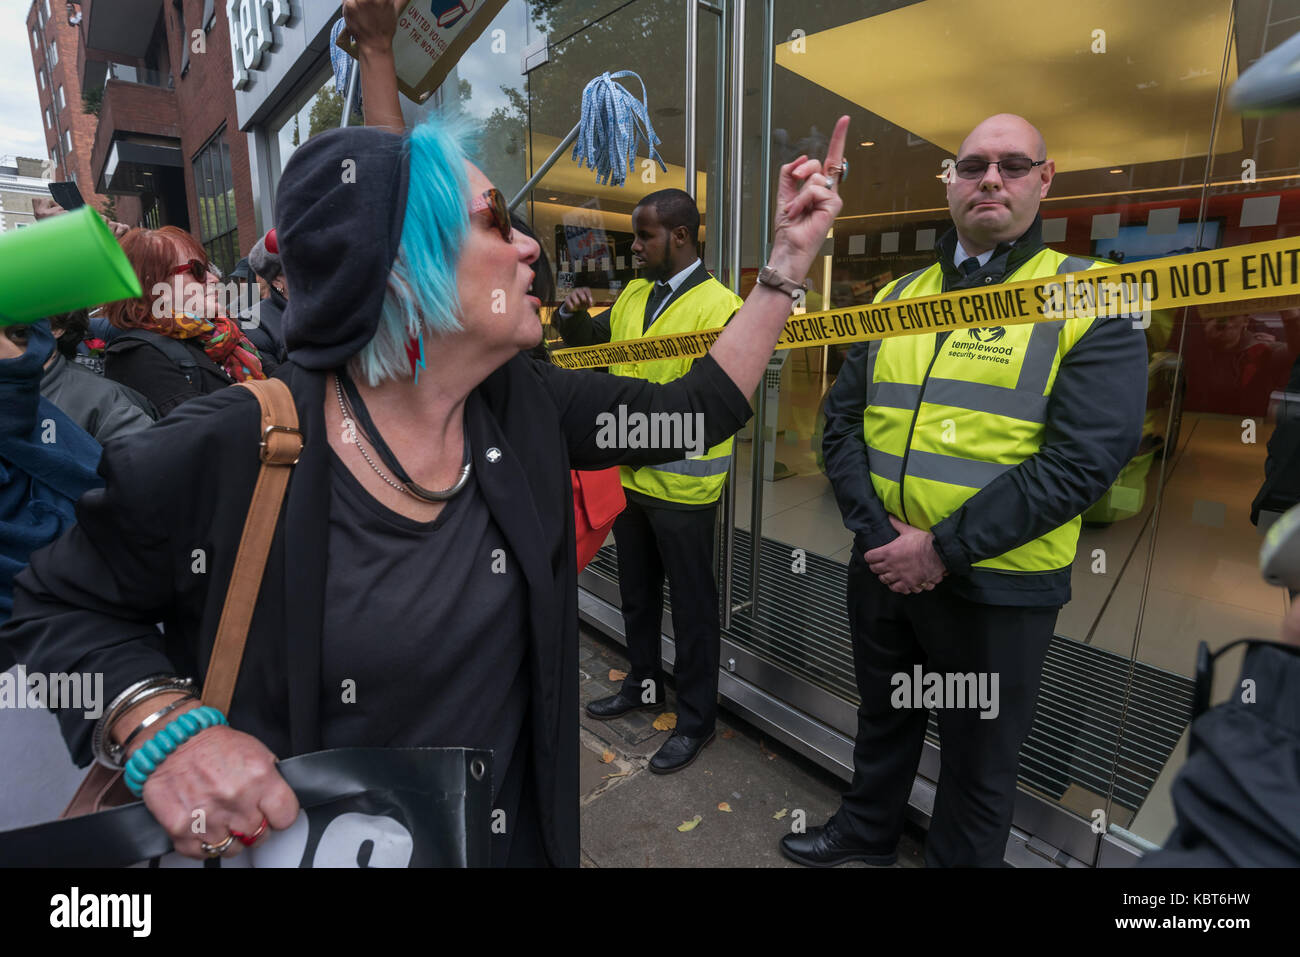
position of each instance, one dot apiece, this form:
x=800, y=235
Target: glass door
x=786, y=608
x=1226, y=476
x=677, y=50
x=1128, y=112
x=584, y=227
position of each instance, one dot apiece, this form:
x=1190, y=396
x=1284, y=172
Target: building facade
x=54, y=34
x=161, y=145
x=1150, y=162
x=21, y=181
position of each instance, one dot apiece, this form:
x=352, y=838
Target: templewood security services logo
x=987, y=334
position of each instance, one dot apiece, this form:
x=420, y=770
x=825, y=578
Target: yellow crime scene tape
x=1251, y=271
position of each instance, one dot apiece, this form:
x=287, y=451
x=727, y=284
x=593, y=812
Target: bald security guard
x=961, y=461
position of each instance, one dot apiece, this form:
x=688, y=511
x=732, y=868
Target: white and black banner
x=361, y=807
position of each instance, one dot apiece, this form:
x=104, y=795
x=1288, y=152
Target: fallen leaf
x=666, y=721
x=616, y=675
x=690, y=825
x=607, y=757
x=724, y=806
x=780, y=814
x=728, y=734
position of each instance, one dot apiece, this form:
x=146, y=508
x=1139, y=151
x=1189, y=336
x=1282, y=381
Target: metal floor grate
x=802, y=627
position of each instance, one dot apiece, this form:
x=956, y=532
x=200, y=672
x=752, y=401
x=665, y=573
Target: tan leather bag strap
x=281, y=444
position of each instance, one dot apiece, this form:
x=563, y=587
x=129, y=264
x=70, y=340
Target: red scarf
x=220, y=339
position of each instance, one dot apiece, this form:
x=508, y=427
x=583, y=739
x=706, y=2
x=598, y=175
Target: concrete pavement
x=631, y=816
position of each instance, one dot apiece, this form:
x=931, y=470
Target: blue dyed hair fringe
x=422, y=295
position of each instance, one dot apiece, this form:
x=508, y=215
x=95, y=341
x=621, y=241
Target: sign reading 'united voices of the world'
x=431, y=36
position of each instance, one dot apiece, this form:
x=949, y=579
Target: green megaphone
x=70, y=261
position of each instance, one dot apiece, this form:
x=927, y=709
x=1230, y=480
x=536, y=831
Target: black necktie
x=970, y=266
x=657, y=295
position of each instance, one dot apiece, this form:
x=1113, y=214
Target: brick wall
x=134, y=108
x=205, y=101
x=58, y=32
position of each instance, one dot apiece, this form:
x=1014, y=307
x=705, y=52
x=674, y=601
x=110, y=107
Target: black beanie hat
x=339, y=214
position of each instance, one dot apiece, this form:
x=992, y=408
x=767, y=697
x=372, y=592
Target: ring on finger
x=839, y=170
x=216, y=850
x=248, y=840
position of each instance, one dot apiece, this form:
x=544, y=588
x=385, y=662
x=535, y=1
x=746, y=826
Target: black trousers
x=652, y=543
x=979, y=757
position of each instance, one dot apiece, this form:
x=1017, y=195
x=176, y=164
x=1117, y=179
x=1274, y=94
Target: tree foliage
x=327, y=113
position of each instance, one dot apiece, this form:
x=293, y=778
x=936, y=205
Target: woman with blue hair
x=421, y=587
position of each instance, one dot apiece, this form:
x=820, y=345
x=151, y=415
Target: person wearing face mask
x=962, y=462
x=667, y=527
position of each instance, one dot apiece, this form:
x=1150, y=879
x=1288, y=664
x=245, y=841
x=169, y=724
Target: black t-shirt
x=424, y=645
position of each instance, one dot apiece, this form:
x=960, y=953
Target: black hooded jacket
x=89, y=601
x=1237, y=799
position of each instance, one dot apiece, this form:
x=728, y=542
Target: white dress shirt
x=960, y=255
x=674, y=284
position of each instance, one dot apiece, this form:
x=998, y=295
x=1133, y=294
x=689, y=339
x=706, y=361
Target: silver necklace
x=350, y=437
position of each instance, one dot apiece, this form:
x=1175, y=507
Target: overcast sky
x=20, y=108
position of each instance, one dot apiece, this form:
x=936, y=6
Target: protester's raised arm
x=806, y=207
x=372, y=24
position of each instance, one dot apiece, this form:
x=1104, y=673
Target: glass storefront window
x=586, y=228
x=486, y=85
x=1145, y=168
x=1228, y=473
x=214, y=189
x=321, y=108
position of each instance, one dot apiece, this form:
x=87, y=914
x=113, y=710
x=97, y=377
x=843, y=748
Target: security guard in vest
x=667, y=526
x=961, y=461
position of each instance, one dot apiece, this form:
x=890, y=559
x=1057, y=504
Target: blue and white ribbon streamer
x=339, y=60
x=612, y=126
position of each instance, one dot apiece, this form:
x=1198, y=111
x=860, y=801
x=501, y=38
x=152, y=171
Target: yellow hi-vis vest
x=939, y=426
x=707, y=305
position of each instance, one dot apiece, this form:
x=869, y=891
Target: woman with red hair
x=178, y=342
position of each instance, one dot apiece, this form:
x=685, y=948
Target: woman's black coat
x=158, y=543
x=157, y=376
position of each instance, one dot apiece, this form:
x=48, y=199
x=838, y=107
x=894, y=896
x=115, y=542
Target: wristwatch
x=770, y=277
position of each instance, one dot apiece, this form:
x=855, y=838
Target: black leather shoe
x=828, y=846
x=678, y=752
x=615, y=706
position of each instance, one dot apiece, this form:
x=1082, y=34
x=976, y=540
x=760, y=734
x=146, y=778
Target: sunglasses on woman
x=494, y=201
x=196, y=268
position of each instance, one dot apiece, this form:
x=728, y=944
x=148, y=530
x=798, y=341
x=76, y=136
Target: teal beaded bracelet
x=154, y=751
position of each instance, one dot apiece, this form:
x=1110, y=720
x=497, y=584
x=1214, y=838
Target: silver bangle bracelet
x=101, y=746
x=118, y=751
